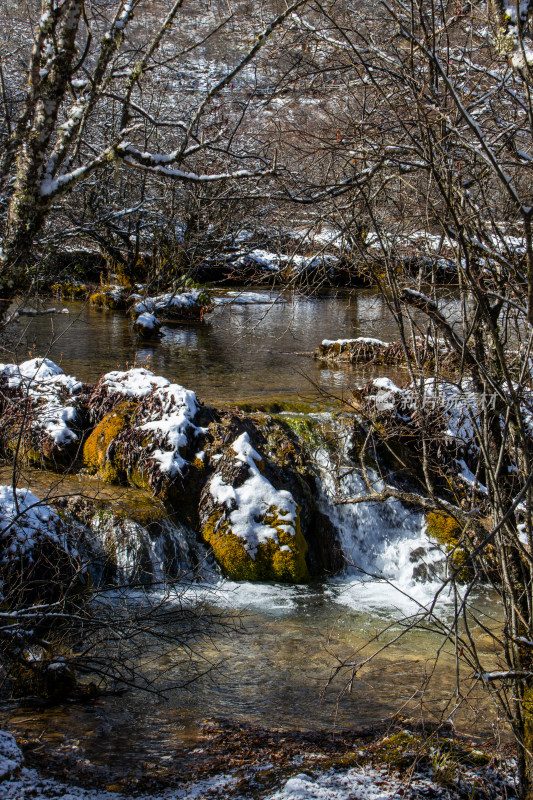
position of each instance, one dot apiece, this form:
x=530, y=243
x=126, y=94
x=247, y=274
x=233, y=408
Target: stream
x=246, y=352
x=275, y=670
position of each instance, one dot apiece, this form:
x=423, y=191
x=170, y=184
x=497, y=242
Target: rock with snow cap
x=252, y=526
x=42, y=413
x=148, y=435
x=189, y=306
x=433, y=420
x=39, y=557
x=368, y=350
x=147, y=326
x=114, y=297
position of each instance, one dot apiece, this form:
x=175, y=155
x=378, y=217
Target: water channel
x=275, y=671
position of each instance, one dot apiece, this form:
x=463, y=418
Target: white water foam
x=390, y=561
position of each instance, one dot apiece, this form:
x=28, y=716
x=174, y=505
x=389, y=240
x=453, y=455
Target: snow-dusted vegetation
x=168, y=165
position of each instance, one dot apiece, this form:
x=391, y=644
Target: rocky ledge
x=240, y=485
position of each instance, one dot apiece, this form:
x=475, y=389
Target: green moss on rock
x=400, y=750
x=280, y=558
x=98, y=455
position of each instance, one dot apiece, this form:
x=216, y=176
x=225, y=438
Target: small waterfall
x=132, y=554
x=180, y=553
x=380, y=540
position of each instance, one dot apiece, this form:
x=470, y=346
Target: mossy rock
x=445, y=530
x=148, y=332
x=36, y=449
x=307, y=429
x=280, y=559
x=98, y=454
x=111, y=297
x=254, y=527
x=71, y=290
x=400, y=750
x=148, y=511
x=286, y=465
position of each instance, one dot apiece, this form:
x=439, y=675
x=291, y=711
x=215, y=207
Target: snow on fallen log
x=375, y=351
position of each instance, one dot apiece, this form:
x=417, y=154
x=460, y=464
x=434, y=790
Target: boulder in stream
x=423, y=351
x=114, y=297
x=147, y=326
x=258, y=509
x=42, y=415
x=253, y=528
x=39, y=555
x=176, y=307
x=147, y=438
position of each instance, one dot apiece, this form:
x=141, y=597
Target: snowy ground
x=351, y=784
x=18, y=782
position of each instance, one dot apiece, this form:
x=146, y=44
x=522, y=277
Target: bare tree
x=90, y=104
x=434, y=94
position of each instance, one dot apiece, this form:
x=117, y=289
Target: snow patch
x=47, y=386
x=252, y=501
x=137, y=382
x=24, y=521
x=10, y=755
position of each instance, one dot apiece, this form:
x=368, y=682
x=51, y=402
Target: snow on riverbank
x=356, y=783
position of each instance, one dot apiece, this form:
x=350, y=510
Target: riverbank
x=393, y=759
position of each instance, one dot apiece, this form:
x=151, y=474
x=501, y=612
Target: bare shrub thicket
x=438, y=102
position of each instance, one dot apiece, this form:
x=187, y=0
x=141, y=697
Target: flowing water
x=275, y=671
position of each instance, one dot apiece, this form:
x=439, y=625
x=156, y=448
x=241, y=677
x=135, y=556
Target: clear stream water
x=275, y=671
x=242, y=354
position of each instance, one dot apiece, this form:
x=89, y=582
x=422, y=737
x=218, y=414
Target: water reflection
x=244, y=353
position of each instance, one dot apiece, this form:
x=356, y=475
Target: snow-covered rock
x=44, y=405
x=147, y=326
x=11, y=757
x=114, y=297
x=147, y=430
x=253, y=527
x=366, y=349
x=176, y=306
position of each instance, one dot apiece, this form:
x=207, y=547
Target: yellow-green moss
x=105, y=297
x=139, y=478
x=399, y=750
x=270, y=563
x=26, y=454
x=95, y=449
x=145, y=511
x=71, y=290
x=306, y=428
x=445, y=530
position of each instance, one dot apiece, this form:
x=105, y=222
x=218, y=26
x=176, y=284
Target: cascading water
x=389, y=558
